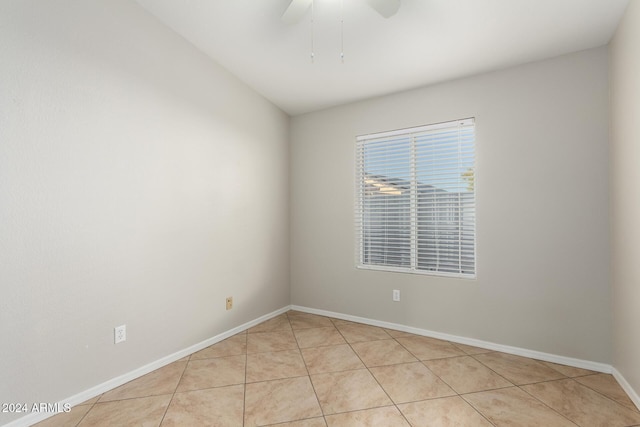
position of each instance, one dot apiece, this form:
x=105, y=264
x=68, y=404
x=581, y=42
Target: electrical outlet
x=229, y=303
x=119, y=334
x=396, y=295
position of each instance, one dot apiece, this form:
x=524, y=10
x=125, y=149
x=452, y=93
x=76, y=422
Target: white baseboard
x=627, y=388
x=578, y=363
x=83, y=396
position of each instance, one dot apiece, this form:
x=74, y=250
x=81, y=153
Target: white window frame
x=411, y=193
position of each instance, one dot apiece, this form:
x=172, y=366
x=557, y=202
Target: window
x=415, y=200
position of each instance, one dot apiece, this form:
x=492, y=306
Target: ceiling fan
x=297, y=9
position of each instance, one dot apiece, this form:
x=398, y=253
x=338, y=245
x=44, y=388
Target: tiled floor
x=305, y=370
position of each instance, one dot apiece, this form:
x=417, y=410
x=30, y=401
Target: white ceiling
x=426, y=42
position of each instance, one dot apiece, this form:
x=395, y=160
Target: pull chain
x=342, y=31
x=313, y=54
x=312, y=49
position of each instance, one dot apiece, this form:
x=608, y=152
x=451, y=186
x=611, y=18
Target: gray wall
x=625, y=199
x=542, y=216
x=140, y=183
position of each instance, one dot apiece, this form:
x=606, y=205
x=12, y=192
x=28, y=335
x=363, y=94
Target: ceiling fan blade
x=295, y=11
x=386, y=8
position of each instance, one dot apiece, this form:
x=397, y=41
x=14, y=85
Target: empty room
x=319, y=213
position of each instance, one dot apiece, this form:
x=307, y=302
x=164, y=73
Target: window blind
x=415, y=200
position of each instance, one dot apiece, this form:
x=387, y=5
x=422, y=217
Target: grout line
x=174, y=391
x=539, y=400
x=461, y=396
x=601, y=393
x=374, y=377
x=434, y=374
x=313, y=387
x=491, y=369
x=244, y=386
x=440, y=378
x=86, y=413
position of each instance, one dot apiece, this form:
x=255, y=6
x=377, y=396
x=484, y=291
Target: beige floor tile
x=144, y=411
x=348, y=391
x=582, y=405
x=409, y=382
x=398, y=334
x=425, y=348
x=263, y=342
x=466, y=375
x=469, y=349
x=156, y=383
x=92, y=400
x=387, y=416
x=305, y=321
x=443, y=412
x=232, y=346
x=278, y=323
x=65, y=419
x=607, y=385
x=272, y=402
x=310, y=422
x=519, y=370
x=289, y=369
x=382, y=352
x=568, y=371
x=317, y=337
x=215, y=407
x=355, y=332
x=274, y=366
x=512, y=407
x=216, y=372
x=342, y=322
x=331, y=359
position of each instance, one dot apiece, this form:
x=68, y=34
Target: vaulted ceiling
x=425, y=42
